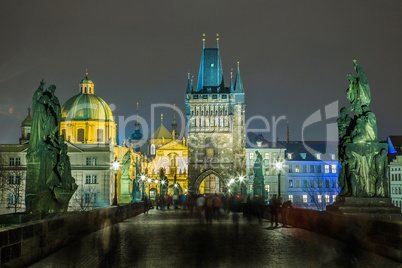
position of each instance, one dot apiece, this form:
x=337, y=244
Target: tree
x=16, y=188
x=86, y=198
x=319, y=189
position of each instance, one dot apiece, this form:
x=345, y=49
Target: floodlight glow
x=149, y=180
x=156, y=181
x=278, y=165
x=116, y=165
x=175, y=185
x=231, y=181
x=163, y=182
x=241, y=178
x=143, y=177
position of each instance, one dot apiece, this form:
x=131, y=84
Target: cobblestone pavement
x=173, y=238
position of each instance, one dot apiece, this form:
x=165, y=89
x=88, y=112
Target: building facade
x=395, y=169
x=216, y=125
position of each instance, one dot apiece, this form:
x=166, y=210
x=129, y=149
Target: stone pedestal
x=125, y=196
x=376, y=207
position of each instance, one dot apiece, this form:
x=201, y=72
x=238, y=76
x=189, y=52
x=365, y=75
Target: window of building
x=399, y=176
x=88, y=179
x=267, y=170
x=251, y=156
x=298, y=183
x=318, y=156
x=290, y=183
x=333, y=156
x=267, y=188
x=334, y=168
x=222, y=123
x=312, y=169
x=297, y=169
x=327, y=198
x=334, y=183
x=392, y=176
x=334, y=198
x=18, y=161
x=304, y=168
x=17, y=180
x=217, y=122
x=304, y=183
x=100, y=135
x=251, y=187
x=87, y=198
x=312, y=199
x=289, y=156
x=266, y=155
x=319, y=198
x=312, y=183
x=12, y=162
x=393, y=190
x=95, y=197
x=290, y=168
x=326, y=168
x=291, y=198
x=320, y=184
x=326, y=183
x=10, y=199
x=91, y=161
x=152, y=149
x=94, y=179
x=298, y=199
x=304, y=198
x=80, y=135
x=10, y=179
x=224, y=96
x=195, y=97
x=319, y=169
x=204, y=97
x=214, y=97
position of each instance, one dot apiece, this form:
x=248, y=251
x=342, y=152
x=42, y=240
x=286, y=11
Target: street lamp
x=116, y=165
x=279, y=166
x=149, y=188
x=143, y=185
x=156, y=186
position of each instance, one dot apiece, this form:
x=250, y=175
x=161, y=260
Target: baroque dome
x=86, y=107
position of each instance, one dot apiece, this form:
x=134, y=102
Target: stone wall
x=26, y=243
x=383, y=237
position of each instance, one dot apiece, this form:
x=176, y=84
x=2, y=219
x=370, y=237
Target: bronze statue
x=50, y=185
x=361, y=152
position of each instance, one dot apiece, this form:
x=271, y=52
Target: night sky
x=294, y=55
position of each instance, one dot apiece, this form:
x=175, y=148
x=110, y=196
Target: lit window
x=289, y=156
x=266, y=156
x=304, y=168
x=319, y=198
x=297, y=169
x=267, y=187
x=290, y=183
x=333, y=156
x=334, y=198
x=290, y=168
x=94, y=161
x=251, y=156
x=291, y=198
x=251, y=187
x=94, y=179
x=212, y=65
x=326, y=168
x=304, y=198
x=318, y=156
x=88, y=179
x=152, y=149
x=334, y=168
x=327, y=198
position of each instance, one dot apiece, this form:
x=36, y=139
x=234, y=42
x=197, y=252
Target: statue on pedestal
x=259, y=181
x=50, y=185
x=361, y=152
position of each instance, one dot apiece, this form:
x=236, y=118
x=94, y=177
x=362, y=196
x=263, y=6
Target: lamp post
x=156, y=186
x=116, y=165
x=143, y=185
x=278, y=166
x=241, y=179
x=149, y=188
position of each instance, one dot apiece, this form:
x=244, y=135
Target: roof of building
x=210, y=74
x=308, y=150
x=86, y=107
x=162, y=132
x=394, y=147
x=27, y=121
x=254, y=140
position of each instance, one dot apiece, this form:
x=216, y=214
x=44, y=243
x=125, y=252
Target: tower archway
x=210, y=182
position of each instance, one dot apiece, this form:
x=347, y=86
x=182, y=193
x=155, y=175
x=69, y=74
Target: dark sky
x=294, y=55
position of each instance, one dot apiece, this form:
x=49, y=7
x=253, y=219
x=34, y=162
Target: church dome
x=27, y=121
x=85, y=107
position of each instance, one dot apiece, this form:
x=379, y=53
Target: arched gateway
x=209, y=182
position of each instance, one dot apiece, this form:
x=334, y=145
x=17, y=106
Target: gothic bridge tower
x=216, y=126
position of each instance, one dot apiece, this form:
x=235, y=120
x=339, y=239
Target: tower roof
x=28, y=120
x=238, y=88
x=210, y=74
x=161, y=132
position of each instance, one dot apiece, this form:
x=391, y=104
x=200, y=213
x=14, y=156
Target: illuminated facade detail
x=216, y=124
x=86, y=118
x=395, y=169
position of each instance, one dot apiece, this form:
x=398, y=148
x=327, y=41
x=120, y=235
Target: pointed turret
x=188, y=84
x=174, y=123
x=231, y=80
x=192, y=84
x=137, y=135
x=238, y=84
x=210, y=73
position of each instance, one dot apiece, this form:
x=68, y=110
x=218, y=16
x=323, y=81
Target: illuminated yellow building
x=86, y=118
x=169, y=154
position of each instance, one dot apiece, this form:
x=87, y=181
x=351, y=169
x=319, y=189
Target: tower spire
x=191, y=87
x=231, y=80
x=203, y=40
x=287, y=132
x=217, y=40
x=161, y=118
x=86, y=73
x=174, y=123
x=238, y=84
x=137, y=111
x=188, y=90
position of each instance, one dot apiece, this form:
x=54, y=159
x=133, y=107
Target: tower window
x=212, y=65
x=205, y=96
x=152, y=149
x=195, y=97
x=100, y=135
x=214, y=97
x=224, y=96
